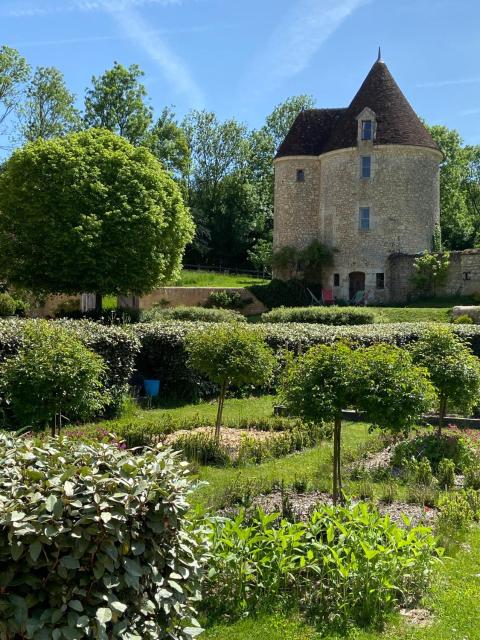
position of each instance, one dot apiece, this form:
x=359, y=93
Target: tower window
x=300, y=175
x=366, y=166
x=364, y=219
x=336, y=279
x=380, y=281
x=366, y=129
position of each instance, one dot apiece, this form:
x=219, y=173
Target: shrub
x=290, y=293
x=431, y=270
x=321, y=315
x=453, y=369
x=117, y=347
x=456, y=513
x=8, y=305
x=230, y=355
x=472, y=475
x=94, y=543
x=342, y=566
x=191, y=313
x=420, y=472
x=202, y=448
x=434, y=449
x=463, y=319
x=226, y=300
x=446, y=473
x=53, y=374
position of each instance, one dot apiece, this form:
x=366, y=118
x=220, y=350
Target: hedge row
x=321, y=315
x=157, y=350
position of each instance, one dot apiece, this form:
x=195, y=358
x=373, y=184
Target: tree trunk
x=221, y=400
x=441, y=416
x=98, y=302
x=337, y=477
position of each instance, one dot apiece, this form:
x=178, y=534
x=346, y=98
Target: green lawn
x=412, y=314
x=214, y=279
x=454, y=600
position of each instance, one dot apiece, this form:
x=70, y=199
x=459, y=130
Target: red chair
x=327, y=296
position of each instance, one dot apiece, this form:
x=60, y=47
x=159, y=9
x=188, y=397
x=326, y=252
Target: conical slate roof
x=317, y=131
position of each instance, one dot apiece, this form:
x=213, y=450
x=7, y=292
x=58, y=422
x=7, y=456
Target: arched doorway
x=356, y=282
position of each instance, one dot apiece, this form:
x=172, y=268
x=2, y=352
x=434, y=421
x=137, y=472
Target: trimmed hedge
x=321, y=315
x=95, y=542
x=191, y=313
x=117, y=346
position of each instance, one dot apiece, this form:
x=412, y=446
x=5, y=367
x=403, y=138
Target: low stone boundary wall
x=198, y=296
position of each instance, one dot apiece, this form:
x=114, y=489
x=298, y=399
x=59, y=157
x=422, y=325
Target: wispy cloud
x=107, y=38
x=447, y=83
x=171, y=66
x=296, y=39
x=469, y=112
x=28, y=8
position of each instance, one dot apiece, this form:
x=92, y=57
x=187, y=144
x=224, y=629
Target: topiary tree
x=453, y=369
x=229, y=355
x=8, y=305
x=52, y=375
x=98, y=215
x=379, y=380
x=96, y=543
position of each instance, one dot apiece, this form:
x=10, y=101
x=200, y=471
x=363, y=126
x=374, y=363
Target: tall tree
x=14, y=72
x=106, y=217
x=278, y=123
x=168, y=142
x=116, y=101
x=456, y=214
x=48, y=110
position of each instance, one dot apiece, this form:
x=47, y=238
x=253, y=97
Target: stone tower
x=363, y=180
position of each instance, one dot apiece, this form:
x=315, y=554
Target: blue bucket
x=152, y=387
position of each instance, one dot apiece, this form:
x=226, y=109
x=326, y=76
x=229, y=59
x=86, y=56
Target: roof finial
x=379, y=59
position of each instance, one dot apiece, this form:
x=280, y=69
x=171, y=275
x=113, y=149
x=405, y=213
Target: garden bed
x=231, y=439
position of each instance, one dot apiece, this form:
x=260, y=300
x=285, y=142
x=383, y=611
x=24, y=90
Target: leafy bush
x=202, y=448
x=434, y=449
x=277, y=293
x=117, y=347
x=343, y=565
x=321, y=315
x=230, y=355
x=458, y=510
x=463, y=319
x=420, y=472
x=191, y=313
x=94, y=543
x=52, y=374
x=8, y=305
x=446, y=473
x=472, y=475
x=226, y=300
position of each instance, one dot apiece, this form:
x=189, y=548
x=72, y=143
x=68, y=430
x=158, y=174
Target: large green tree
x=90, y=212
x=49, y=109
x=14, y=72
x=116, y=102
x=168, y=142
x=459, y=183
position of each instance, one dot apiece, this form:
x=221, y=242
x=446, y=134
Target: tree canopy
x=90, y=212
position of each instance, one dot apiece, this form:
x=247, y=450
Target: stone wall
x=463, y=276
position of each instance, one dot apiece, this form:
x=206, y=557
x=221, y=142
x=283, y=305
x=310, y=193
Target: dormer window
x=300, y=175
x=367, y=129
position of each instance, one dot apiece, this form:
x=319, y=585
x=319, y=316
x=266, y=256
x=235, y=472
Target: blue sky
x=242, y=57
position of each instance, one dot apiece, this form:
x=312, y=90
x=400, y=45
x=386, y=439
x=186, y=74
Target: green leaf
x=103, y=615
x=50, y=502
x=76, y=605
x=35, y=550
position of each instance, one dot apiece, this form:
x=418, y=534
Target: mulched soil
x=302, y=504
x=230, y=438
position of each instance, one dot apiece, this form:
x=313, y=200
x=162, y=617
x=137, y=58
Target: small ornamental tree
x=230, y=355
x=453, y=369
x=90, y=212
x=431, y=270
x=379, y=380
x=52, y=375
x=95, y=543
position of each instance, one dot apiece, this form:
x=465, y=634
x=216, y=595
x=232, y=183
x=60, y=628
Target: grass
x=214, y=279
x=454, y=602
x=411, y=314
x=234, y=408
